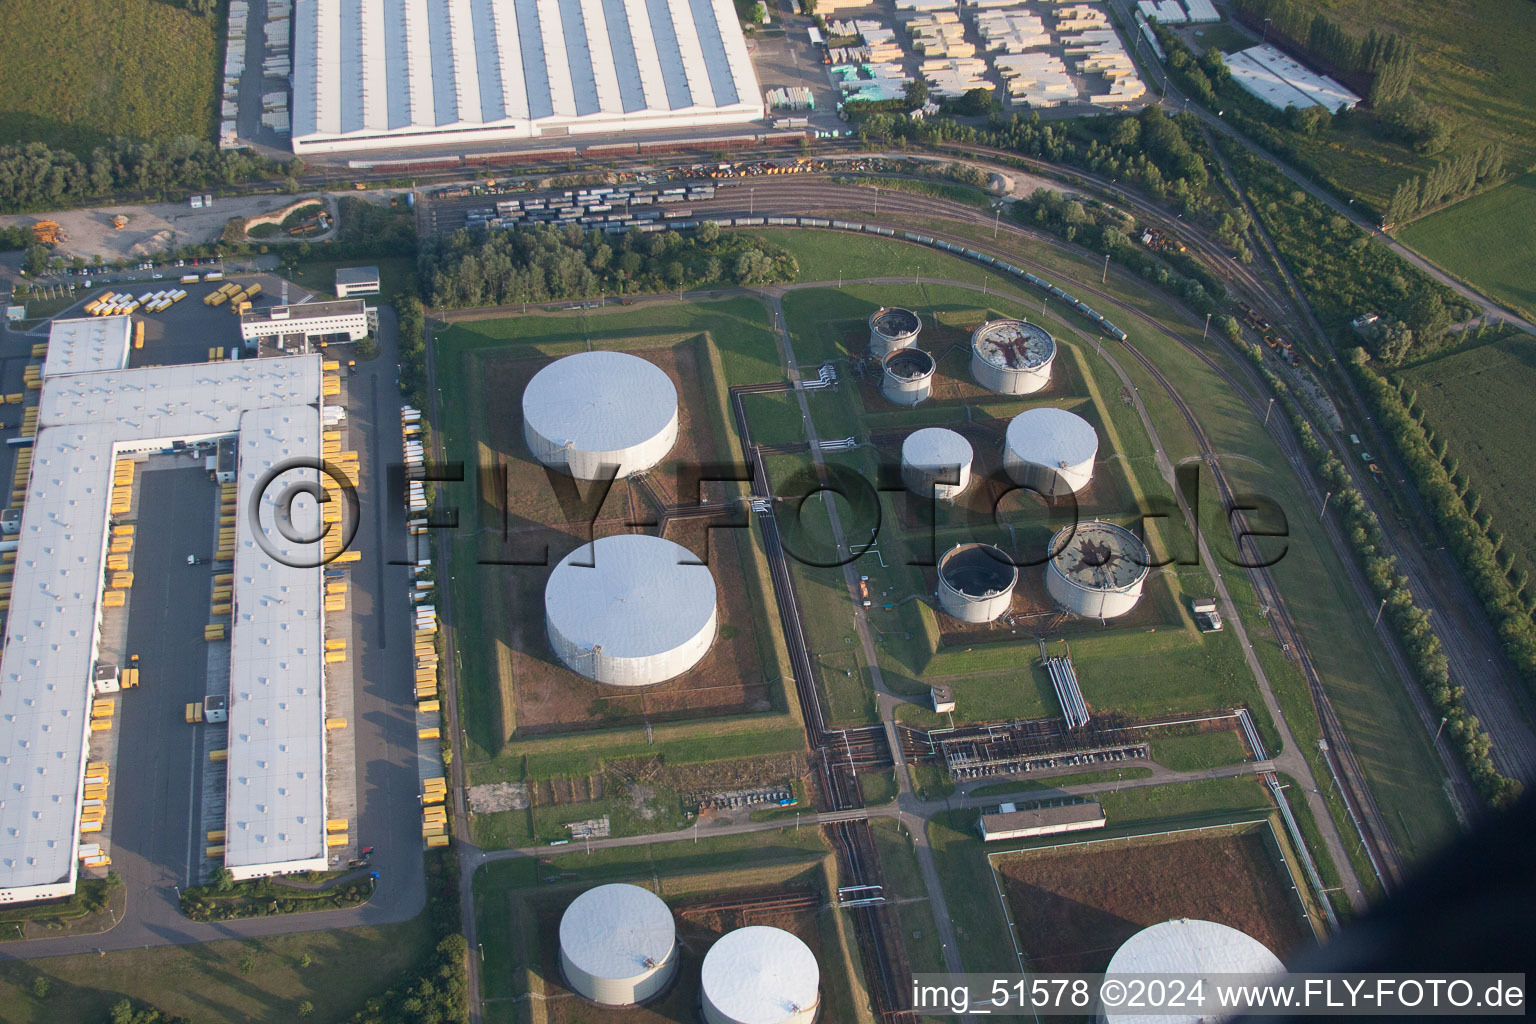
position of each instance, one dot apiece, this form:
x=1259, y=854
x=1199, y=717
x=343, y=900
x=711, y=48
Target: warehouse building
x=87, y=419
x=294, y=328
x=1009, y=822
x=372, y=74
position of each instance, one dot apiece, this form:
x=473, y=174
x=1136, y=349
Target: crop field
x=78, y=72
x=1481, y=402
x=1073, y=905
x=513, y=685
x=1489, y=241
x=519, y=904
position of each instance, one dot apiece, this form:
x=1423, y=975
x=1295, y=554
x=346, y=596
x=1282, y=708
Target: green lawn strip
x=878, y=787
x=1198, y=750
x=904, y=883
x=971, y=892
x=209, y=982
x=1056, y=782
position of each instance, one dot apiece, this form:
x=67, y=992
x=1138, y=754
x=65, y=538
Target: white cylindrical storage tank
x=1050, y=451
x=1185, y=946
x=630, y=610
x=759, y=975
x=618, y=945
x=1096, y=569
x=891, y=328
x=1012, y=357
x=590, y=412
x=908, y=376
x=976, y=582
x=936, y=462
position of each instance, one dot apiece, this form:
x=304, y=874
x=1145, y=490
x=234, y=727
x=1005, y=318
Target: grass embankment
x=78, y=72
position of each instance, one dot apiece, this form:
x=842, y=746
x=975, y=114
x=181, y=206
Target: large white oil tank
x=759, y=975
x=976, y=582
x=1012, y=357
x=630, y=610
x=618, y=945
x=907, y=377
x=1050, y=451
x=1096, y=569
x=936, y=463
x=891, y=328
x=1190, y=947
x=600, y=415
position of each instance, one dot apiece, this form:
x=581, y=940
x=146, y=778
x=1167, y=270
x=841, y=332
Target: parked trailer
x=214, y=275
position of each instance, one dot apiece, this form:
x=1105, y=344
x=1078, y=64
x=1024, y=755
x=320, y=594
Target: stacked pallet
x=434, y=816
x=93, y=806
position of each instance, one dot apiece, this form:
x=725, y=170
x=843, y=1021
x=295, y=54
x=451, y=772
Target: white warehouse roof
x=388, y=73
x=85, y=421
x=92, y=343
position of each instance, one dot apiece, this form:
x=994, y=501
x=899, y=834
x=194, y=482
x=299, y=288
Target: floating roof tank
x=891, y=328
x=976, y=582
x=1050, y=451
x=1185, y=946
x=630, y=610
x=759, y=975
x=618, y=945
x=936, y=462
x=1096, y=569
x=1012, y=357
x=590, y=412
x=908, y=376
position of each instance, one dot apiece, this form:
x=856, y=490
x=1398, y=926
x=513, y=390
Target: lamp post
x=1379, y=611
x=1325, y=506
x=1265, y=38
x=1105, y=276
x=1267, y=410
x=1207, y=329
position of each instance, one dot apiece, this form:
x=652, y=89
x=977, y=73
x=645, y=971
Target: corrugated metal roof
x=367, y=68
x=86, y=345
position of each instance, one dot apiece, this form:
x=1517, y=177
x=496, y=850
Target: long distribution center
x=381, y=74
x=92, y=410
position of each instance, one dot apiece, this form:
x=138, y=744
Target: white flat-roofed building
x=1284, y=82
x=356, y=281
x=92, y=343
x=382, y=74
x=275, y=784
x=86, y=421
x=306, y=321
x=1010, y=822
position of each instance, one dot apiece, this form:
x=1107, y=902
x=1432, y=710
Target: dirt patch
x=498, y=796
x=1073, y=907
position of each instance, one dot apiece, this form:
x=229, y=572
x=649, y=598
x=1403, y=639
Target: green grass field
x=1198, y=750
x=1482, y=401
x=78, y=72
x=205, y=982
x=1489, y=241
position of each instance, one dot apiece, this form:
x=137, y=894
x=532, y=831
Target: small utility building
x=356, y=281
x=1009, y=822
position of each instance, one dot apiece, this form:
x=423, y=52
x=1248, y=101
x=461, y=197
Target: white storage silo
x=936, y=463
x=1186, y=947
x=759, y=975
x=1096, y=569
x=907, y=377
x=618, y=945
x=976, y=582
x=891, y=328
x=590, y=412
x=1012, y=357
x=1050, y=451
x=630, y=610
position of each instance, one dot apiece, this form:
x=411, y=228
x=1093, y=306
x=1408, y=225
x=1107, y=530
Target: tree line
x=36, y=177
x=1386, y=57
x=1341, y=271
x=1409, y=622
x=1449, y=181
x=483, y=267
